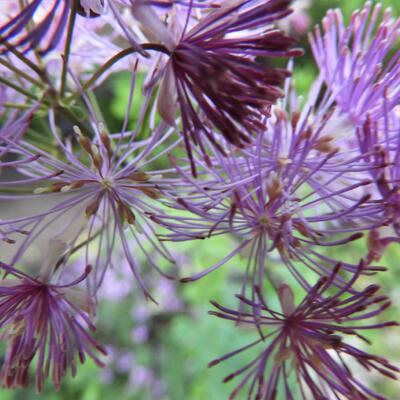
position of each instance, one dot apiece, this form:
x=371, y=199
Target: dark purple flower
x=305, y=354
x=215, y=79
x=47, y=321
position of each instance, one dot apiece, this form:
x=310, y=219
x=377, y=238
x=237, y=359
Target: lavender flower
x=379, y=143
x=305, y=353
x=99, y=194
x=355, y=61
x=91, y=42
x=46, y=321
x=48, y=30
x=291, y=194
x=360, y=68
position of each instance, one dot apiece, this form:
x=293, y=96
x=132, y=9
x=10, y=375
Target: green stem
x=45, y=142
x=73, y=118
x=16, y=105
x=95, y=104
x=22, y=74
x=68, y=41
x=15, y=190
x=26, y=61
x=19, y=89
x=76, y=248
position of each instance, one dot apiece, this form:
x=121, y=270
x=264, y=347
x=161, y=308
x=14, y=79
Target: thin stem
x=39, y=137
x=16, y=190
x=95, y=104
x=116, y=58
x=17, y=105
x=76, y=248
x=26, y=61
x=67, y=49
x=19, y=89
x=22, y=74
x=62, y=109
x=73, y=118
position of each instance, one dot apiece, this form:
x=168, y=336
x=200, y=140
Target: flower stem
x=116, y=58
x=19, y=89
x=26, y=61
x=22, y=74
x=17, y=106
x=67, y=50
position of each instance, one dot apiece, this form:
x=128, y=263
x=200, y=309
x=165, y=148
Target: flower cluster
x=215, y=141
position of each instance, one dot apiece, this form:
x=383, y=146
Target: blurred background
x=161, y=352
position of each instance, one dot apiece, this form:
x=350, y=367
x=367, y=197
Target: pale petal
x=286, y=298
x=151, y=23
x=55, y=251
x=167, y=102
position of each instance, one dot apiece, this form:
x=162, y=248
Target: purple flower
x=356, y=63
x=213, y=69
x=379, y=143
x=12, y=131
x=304, y=351
x=93, y=41
x=47, y=321
x=96, y=195
x=48, y=30
x=287, y=197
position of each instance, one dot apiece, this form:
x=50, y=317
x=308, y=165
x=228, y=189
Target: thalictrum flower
x=47, y=31
x=213, y=75
x=356, y=62
x=304, y=350
x=40, y=24
x=292, y=193
x=379, y=143
x=45, y=322
x=99, y=192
